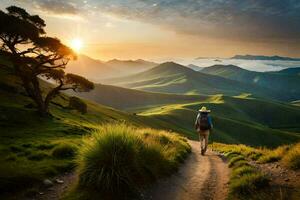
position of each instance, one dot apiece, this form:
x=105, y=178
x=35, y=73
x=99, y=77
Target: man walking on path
x=203, y=126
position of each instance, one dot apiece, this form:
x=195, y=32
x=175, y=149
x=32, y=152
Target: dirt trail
x=201, y=178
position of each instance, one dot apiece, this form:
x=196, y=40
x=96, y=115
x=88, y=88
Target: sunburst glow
x=76, y=44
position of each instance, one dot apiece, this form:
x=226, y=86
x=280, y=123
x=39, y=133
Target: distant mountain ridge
x=285, y=81
x=171, y=77
x=262, y=57
x=96, y=70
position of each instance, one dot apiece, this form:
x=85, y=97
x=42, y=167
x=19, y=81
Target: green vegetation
x=118, y=160
x=291, y=159
x=77, y=104
x=28, y=142
x=230, y=116
x=246, y=181
x=278, y=122
x=273, y=155
x=126, y=99
x=64, y=150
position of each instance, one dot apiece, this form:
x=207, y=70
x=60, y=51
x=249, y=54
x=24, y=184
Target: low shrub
x=77, y=104
x=292, y=158
x=64, y=150
x=117, y=160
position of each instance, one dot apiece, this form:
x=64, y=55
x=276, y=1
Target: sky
x=171, y=29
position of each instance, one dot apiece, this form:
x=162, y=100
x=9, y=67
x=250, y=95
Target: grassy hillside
x=285, y=82
x=29, y=144
x=236, y=120
x=127, y=99
x=174, y=78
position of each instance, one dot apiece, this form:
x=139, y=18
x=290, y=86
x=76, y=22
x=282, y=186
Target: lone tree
x=24, y=43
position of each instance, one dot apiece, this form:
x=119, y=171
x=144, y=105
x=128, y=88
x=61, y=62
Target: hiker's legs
x=201, y=140
x=206, y=136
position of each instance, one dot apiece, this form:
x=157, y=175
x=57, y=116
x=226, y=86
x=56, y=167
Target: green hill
x=286, y=84
x=27, y=142
x=174, y=78
x=237, y=118
x=126, y=99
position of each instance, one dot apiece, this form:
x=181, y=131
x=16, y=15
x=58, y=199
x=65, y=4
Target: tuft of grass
x=241, y=171
x=38, y=156
x=249, y=183
x=273, y=155
x=64, y=150
x=234, y=160
x=292, y=158
x=45, y=146
x=117, y=160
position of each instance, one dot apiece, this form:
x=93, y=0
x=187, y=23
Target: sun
x=76, y=44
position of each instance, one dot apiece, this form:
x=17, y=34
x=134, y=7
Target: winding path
x=201, y=177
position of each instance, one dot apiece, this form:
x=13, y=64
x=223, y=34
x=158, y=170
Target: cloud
x=236, y=19
x=66, y=7
x=243, y=20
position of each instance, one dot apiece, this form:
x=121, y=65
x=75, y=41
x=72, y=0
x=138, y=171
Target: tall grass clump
x=117, y=160
x=292, y=158
x=273, y=155
x=248, y=184
x=64, y=150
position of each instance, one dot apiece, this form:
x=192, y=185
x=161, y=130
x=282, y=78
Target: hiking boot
x=202, y=152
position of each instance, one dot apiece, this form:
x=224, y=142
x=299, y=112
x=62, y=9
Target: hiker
x=203, y=125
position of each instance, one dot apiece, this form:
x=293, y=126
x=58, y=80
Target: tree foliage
x=34, y=55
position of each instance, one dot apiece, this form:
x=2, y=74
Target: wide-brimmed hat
x=204, y=109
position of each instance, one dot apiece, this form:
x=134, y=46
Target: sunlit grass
x=117, y=160
x=291, y=159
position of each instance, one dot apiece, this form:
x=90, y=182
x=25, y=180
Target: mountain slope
x=233, y=116
x=126, y=99
x=130, y=66
x=90, y=68
x=237, y=120
x=174, y=78
x=280, y=82
x=97, y=70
